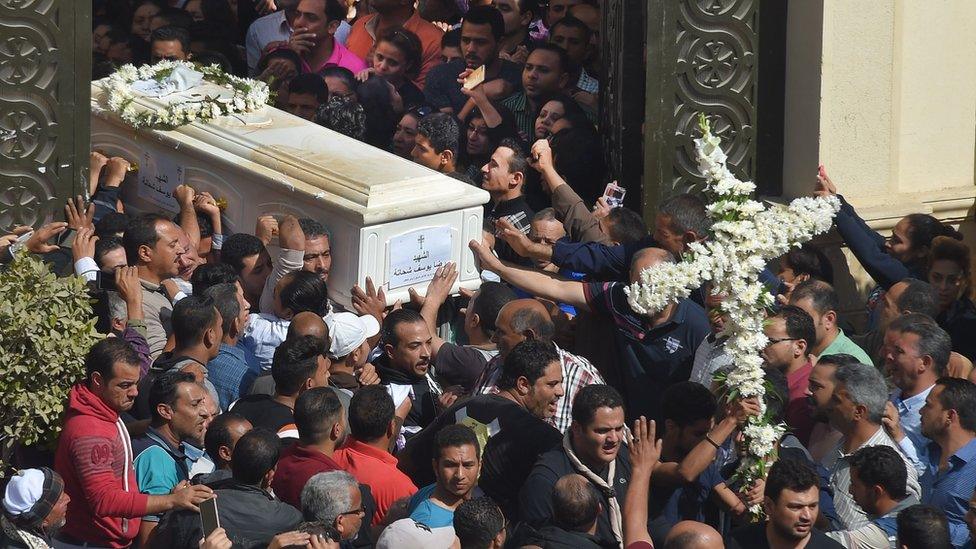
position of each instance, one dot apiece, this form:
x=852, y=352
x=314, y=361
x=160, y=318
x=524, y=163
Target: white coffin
x=376, y=205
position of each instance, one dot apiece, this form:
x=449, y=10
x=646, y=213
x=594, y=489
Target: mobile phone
x=105, y=282
x=208, y=516
x=67, y=238
x=614, y=195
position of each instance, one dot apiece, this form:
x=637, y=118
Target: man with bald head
x=576, y=507
x=655, y=350
x=524, y=319
x=691, y=534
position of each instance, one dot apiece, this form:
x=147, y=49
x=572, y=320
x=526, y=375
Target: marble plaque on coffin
x=390, y=219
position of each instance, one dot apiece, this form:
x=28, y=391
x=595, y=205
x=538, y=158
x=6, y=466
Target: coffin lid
x=373, y=185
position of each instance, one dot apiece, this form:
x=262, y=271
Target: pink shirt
x=341, y=57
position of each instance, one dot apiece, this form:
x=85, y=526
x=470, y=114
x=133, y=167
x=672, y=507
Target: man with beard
x=318, y=251
x=457, y=464
x=34, y=507
x=178, y=415
x=792, y=505
x=820, y=388
x=481, y=34
x=511, y=425
x=403, y=368
x=94, y=455
x=592, y=447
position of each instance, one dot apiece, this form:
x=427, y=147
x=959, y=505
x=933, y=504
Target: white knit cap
x=23, y=491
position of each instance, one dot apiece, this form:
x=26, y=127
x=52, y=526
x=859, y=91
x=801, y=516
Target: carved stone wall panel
x=702, y=57
x=44, y=72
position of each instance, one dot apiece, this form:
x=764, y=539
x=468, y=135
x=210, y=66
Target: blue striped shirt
x=951, y=489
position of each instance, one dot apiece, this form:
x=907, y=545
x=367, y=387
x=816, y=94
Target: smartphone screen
x=208, y=516
x=67, y=238
x=105, y=282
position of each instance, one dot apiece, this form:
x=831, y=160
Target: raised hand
x=77, y=215
x=302, y=41
x=645, y=448
x=266, y=229
x=38, y=242
x=486, y=259
x=515, y=238
x=370, y=301
x=115, y=172
x=84, y=244
x=824, y=186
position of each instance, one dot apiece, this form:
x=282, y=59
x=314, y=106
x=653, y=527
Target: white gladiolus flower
x=745, y=234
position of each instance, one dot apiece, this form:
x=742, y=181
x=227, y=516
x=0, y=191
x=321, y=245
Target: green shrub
x=46, y=328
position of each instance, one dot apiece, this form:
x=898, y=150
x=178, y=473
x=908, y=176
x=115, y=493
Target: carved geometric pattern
x=43, y=111
x=715, y=71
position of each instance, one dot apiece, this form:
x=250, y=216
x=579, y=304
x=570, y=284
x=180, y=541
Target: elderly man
x=34, y=506
x=334, y=500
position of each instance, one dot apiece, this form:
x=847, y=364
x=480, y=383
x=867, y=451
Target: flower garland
x=744, y=235
x=248, y=95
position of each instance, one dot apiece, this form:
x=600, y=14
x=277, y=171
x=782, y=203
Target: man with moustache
x=404, y=368
x=94, y=455
x=592, y=447
x=457, y=464
x=34, y=507
x=511, y=425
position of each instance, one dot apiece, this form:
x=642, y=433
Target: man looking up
x=791, y=333
x=504, y=178
x=544, y=74
x=313, y=37
x=481, y=32
x=94, y=455
x=457, y=464
x=593, y=447
x=792, y=504
x=152, y=244
x=524, y=319
x=392, y=13
x=820, y=301
x=949, y=421
x=878, y=485
x=178, y=415
x=512, y=422
x=855, y=410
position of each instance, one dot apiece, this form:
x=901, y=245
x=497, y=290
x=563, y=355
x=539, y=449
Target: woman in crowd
x=143, y=12
x=950, y=274
x=276, y=68
x=396, y=57
x=559, y=112
x=406, y=131
x=905, y=254
x=382, y=105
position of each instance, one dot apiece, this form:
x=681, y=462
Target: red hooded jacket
x=95, y=459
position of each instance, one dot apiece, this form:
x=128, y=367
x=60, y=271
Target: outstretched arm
x=537, y=283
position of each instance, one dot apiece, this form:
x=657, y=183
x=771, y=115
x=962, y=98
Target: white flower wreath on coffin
x=173, y=80
x=743, y=237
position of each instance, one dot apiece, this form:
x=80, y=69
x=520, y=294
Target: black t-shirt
x=511, y=437
x=262, y=411
x=535, y=498
x=754, y=537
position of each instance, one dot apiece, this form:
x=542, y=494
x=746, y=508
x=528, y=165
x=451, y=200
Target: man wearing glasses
x=791, y=336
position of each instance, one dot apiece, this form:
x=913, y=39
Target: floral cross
x=744, y=235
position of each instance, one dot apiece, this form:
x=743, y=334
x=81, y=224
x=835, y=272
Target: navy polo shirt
x=651, y=358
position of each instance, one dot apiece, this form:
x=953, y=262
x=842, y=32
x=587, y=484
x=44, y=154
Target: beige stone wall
x=883, y=93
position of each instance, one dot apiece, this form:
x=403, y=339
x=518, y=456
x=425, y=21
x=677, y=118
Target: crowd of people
x=540, y=410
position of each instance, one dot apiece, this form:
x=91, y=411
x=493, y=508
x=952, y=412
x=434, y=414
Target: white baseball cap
x=349, y=331
x=410, y=534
